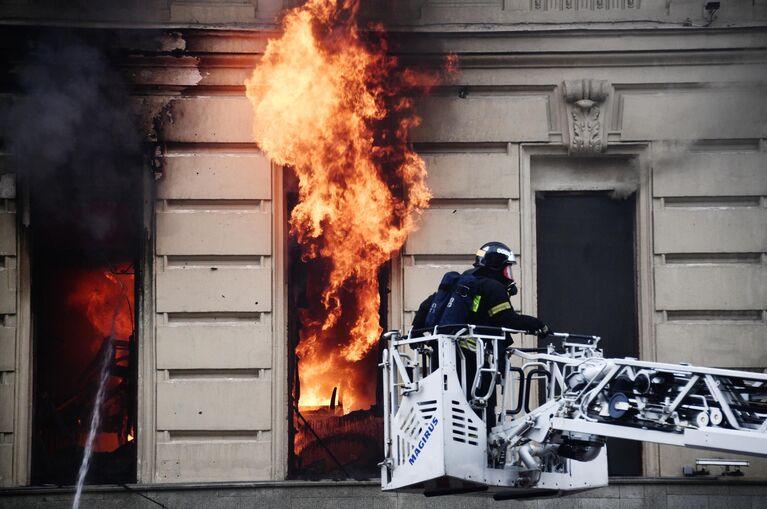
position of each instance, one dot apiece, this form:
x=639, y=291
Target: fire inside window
x=84, y=286
x=335, y=404
x=343, y=128
x=77, y=152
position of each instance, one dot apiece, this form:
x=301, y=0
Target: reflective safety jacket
x=490, y=306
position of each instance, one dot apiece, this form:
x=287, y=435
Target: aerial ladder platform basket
x=464, y=413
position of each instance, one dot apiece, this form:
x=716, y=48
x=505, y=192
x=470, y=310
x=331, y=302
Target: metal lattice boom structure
x=444, y=433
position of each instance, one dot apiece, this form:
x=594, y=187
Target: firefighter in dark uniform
x=491, y=306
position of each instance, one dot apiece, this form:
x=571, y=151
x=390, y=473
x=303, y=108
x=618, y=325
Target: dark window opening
x=336, y=427
x=85, y=274
x=72, y=139
x=587, y=282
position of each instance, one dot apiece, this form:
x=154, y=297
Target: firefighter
x=495, y=285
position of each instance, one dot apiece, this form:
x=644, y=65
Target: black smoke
x=74, y=142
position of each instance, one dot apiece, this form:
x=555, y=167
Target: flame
x=330, y=102
x=83, y=303
x=96, y=293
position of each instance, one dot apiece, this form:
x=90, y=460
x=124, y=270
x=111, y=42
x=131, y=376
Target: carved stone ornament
x=585, y=102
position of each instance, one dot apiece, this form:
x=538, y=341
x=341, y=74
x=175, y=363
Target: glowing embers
x=80, y=310
x=331, y=445
x=337, y=423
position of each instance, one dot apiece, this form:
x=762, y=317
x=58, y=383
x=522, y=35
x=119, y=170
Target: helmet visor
x=507, y=273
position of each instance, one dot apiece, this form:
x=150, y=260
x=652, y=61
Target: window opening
x=77, y=151
x=336, y=419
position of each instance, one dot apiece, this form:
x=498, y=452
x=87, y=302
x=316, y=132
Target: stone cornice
x=554, y=29
x=615, y=58
x=512, y=60
x=563, y=47
x=629, y=39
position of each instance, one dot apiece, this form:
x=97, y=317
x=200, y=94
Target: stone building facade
x=660, y=100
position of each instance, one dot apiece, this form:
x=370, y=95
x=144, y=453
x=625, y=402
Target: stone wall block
x=224, y=289
x=235, y=460
x=480, y=118
x=463, y=230
x=195, y=176
x=225, y=403
x=694, y=115
x=214, y=346
x=214, y=232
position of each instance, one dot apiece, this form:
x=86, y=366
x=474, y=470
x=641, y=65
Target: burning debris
x=111, y=393
x=85, y=334
x=333, y=105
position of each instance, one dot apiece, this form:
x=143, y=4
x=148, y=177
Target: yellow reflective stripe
x=469, y=343
x=475, y=303
x=500, y=307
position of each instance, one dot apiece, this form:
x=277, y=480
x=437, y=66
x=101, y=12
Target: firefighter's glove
x=542, y=332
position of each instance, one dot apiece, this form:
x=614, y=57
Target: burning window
x=83, y=265
x=84, y=330
x=336, y=416
x=77, y=152
x=335, y=106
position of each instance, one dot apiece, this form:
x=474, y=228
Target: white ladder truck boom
x=436, y=411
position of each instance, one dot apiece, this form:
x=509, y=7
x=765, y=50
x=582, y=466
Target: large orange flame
x=100, y=293
x=333, y=105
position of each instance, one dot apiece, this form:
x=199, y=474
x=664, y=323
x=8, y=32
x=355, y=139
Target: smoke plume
x=72, y=137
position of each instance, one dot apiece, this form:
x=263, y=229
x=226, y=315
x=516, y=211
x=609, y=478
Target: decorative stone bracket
x=586, y=103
